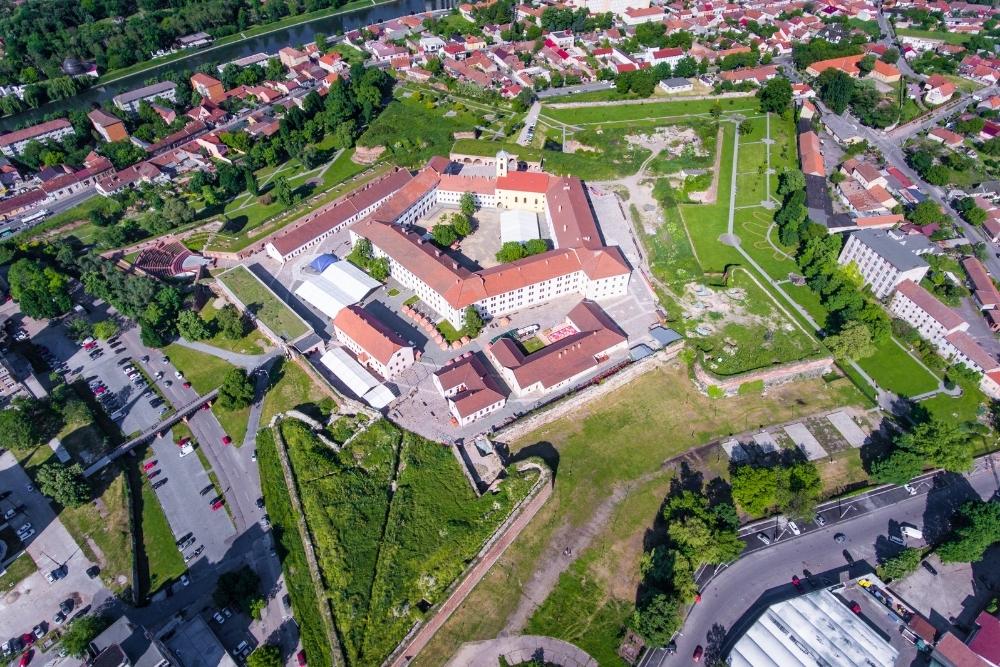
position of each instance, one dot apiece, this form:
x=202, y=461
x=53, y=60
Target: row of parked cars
x=25, y=642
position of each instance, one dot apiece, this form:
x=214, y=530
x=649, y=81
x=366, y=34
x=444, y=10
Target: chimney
x=454, y=265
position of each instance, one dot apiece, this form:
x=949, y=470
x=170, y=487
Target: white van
x=186, y=449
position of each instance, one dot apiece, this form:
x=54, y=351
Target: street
x=739, y=592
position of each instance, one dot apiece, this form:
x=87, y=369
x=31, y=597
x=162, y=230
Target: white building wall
x=876, y=271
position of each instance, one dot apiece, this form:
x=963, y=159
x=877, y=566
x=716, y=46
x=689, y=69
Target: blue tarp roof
x=640, y=351
x=322, y=261
x=664, y=336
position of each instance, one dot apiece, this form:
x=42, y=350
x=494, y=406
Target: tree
x=926, y=212
x=535, y=247
x=467, y=204
x=42, y=292
x=283, y=192
x=853, y=342
x=250, y=181
x=27, y=423
x=836, y=88
x=105, y=329
x=266, y=655
x=891, y=55
x=754, y=489
x=65, y=484
x=978, y=528
x=231, y=323
x=80, y=632
x=775, y=95
x=462, y=224
x=942, y=444
x=473, y=322
x=237, y=390
x=900, y=565
x=444, y=235
x=237, y=588
x=511, y=251
x=192, y=327
x=790, y=180
x=867, y=64
x=657, y=618
x=745, y=128
x=379, y=269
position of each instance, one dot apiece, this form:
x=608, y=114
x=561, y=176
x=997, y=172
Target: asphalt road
x=737, y=595
x=572, y=90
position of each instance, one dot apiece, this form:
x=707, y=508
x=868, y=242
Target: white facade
x=454, y=198
x=929, y=327
x=15, y=148
x=878, y=272
x=131, y=100
x=400, y=360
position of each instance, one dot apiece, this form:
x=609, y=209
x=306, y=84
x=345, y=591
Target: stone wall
x=770, y=376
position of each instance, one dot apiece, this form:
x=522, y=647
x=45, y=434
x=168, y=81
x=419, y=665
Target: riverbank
x=236, y=38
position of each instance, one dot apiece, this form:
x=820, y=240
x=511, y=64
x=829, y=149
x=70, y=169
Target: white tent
x=321, y=297
x=340, y=285
x=519, y=226
x=362, y=384
x=351, y=280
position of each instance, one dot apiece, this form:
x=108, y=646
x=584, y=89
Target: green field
x=253, y=343
x=680, y=110
x=165, y=562
x=203, y=371
x=284, y=526
x=383, y=553
x=609, y=443
x=263, y=304
x=22, y=567
x=248, y=220
x=946, y=37
x=291, y=388
x=894, y=369
x=412, y=133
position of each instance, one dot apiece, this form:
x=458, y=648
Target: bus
x=37, y=216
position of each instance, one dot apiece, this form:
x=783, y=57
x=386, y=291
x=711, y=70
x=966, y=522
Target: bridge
x=151, y=433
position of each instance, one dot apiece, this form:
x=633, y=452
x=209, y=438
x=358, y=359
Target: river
x=267, y=43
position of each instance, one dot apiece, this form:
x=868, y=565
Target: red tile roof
x=565, y=358
x=944, y=315
x=33, y=131
x=968, y=346
x=477, y=388
x=359, y=199
x=375, y=338
x=524, y=181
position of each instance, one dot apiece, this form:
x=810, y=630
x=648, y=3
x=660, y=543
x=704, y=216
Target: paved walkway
x=427, y=631
x=260, y=389
x=246, y=361
x=521, y=649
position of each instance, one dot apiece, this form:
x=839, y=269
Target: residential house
x=111, y=128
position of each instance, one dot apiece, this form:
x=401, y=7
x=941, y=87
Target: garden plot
x=828, y=437
x=805, y=441
x=847, y=428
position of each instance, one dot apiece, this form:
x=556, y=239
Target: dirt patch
x=711, y=195
x=674, y=140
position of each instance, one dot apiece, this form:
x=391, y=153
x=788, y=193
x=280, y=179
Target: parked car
x=763, y=538
x=226, y=440
x=217, y=505
x=160, y=483
x=207, y=489
x=300, y=657
x=794, y=528
x=26, y=658
x=698, y=652
x=148, y=465
x=185, y=580
x=39, y=630
x=66, y=606
x=59, y=618
x=218, y=618
x=27, y=535
x=840, y=538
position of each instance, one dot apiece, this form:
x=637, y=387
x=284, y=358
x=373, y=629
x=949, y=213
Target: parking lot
x=185, y=506
x=34, y=600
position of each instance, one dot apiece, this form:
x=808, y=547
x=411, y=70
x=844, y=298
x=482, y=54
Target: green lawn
x=412, y=133
x=263, y=303
x=753, y=226
x=291, y=388
x=284, y=526
x=946, y=37
x=680, y=109
x=809, y=300
x=203, y=371
x=382, y=553
x=23, y=566
x=165, y=562
x=967, y=407
x=253, y=343
x=626, y=435
x=893, y=369
x=250, y=220
x=671, y=258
